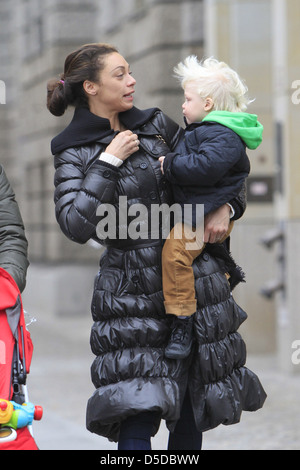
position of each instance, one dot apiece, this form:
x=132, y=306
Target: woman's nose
x=132, y=80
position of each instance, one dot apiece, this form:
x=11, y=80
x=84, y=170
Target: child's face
x=194, y=107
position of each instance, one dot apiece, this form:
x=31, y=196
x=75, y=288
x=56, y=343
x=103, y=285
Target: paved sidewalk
x=60, y=382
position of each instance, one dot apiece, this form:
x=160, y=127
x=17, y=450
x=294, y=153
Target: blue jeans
x=136, y=431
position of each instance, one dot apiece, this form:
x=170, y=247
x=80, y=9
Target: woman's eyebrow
x=120, y=67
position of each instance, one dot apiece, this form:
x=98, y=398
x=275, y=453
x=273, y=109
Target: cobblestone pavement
x=60, y=381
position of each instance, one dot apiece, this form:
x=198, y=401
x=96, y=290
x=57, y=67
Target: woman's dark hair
x=83, y=64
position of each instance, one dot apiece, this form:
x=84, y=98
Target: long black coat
x=130, y=329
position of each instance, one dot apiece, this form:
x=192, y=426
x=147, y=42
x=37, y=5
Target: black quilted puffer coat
x=130, y=329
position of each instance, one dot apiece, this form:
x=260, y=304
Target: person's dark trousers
x=185, y=435
x=136, y=431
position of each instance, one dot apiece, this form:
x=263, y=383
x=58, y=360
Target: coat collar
x=86, y=127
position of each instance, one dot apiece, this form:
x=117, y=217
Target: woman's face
x=116, y=86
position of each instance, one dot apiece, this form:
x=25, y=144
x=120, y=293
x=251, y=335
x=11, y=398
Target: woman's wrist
x=109, y=158
x=232, y=211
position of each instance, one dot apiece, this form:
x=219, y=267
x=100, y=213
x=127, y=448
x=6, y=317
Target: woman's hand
x=216, y=224
x=123, y=145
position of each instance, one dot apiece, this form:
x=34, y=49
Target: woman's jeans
x=135, y=433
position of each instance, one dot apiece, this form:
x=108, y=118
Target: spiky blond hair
x=216, y=80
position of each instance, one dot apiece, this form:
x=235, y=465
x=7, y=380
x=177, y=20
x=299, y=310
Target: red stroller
x=16, y=348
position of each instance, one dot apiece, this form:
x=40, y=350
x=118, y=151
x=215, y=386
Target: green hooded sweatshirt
x=245, y=125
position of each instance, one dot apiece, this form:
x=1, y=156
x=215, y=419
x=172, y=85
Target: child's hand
x=161, y=159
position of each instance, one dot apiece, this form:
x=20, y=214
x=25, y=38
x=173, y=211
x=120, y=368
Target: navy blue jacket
x=209, y=166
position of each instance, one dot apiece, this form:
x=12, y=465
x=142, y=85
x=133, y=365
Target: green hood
x=245, y=125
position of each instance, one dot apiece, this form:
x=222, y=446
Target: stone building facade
x=261, y=40
x=153, y=35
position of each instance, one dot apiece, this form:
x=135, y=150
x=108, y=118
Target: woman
x=110, y=151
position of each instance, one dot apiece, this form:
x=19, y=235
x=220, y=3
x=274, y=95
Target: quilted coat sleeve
x=13, y=242
x=79, y=192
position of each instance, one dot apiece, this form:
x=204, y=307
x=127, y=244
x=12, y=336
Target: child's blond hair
x=216, y=80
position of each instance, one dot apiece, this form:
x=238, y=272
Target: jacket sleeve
x=213, y=159
x=239, y=203
x=79, y=192
x=13, y=242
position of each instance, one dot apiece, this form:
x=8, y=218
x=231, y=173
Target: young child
x=210, y=167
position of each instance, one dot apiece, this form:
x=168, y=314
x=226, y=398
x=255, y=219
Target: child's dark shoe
x=181, y=339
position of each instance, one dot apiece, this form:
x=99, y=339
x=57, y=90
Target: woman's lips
x=129, y=96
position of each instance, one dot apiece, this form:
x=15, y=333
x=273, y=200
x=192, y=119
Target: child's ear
x=209, y=104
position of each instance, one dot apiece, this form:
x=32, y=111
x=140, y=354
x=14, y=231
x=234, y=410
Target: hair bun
x=55, y=97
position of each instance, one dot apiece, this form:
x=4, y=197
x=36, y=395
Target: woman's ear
x=90, y=87
x=209, y=104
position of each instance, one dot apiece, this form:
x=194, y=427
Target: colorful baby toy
x=14, y=416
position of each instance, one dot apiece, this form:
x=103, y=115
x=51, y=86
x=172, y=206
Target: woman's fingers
x=216, y=224
x=123, y=145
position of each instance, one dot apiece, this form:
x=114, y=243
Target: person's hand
x=216, y=224
x=123, y=145
x=161, y=159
